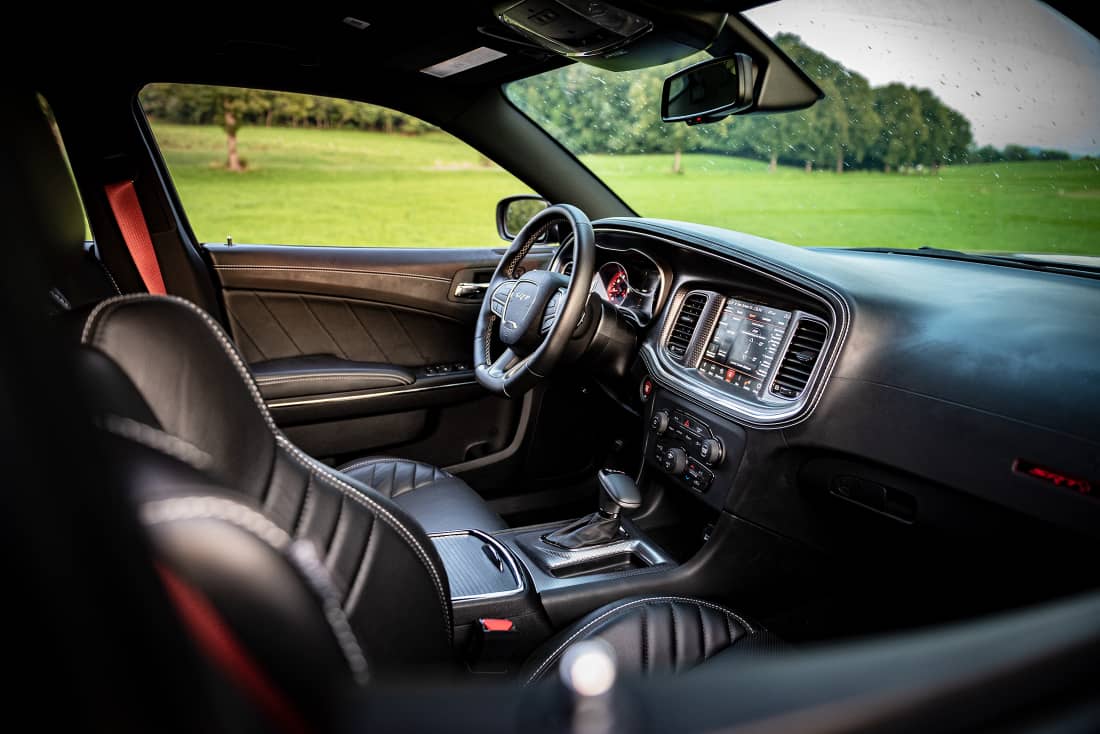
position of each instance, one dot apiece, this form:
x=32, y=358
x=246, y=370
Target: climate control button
x=674, y=461
x=660, y=422
x=711, y=451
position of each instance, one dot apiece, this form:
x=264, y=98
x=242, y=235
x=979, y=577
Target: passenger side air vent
x=684, y=328
x=798, y=363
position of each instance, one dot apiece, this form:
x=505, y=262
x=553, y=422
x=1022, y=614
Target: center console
x=500, y=582
x=693, y=448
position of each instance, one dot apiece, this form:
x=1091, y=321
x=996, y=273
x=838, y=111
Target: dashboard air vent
x=798, y=363
x=684, y=328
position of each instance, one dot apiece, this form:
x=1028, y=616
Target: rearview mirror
x=515, y=211
x=708, y=91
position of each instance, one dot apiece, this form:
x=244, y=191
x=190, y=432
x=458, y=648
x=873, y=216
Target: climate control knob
x=674, y=461
x=660, y=422
x=711, y=451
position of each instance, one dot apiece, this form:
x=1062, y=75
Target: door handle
x=470, y=290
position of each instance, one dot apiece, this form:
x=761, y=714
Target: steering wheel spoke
x=552, y=308
x=499, y=298
x=506, y=361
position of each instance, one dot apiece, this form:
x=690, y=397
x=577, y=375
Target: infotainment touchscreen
x=744, y=345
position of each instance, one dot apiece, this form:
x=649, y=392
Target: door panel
x=366, y=350
x=269, y=325
x=418, y=278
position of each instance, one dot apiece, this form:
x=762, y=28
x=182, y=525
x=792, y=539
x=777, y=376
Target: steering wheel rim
x=535, y=313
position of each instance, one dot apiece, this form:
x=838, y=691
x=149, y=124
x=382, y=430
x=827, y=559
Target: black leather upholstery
x=319, y=374
x=271, y=325
x=655, y=635
x=193, y=403
x=437, y=499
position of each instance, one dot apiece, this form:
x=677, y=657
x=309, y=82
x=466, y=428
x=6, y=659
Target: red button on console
x=490, y=624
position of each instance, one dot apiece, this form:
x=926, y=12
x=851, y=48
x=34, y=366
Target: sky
x=1019, y=71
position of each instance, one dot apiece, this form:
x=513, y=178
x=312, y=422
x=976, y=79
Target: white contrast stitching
x=393, y=522
x=546, y=663
x=417, y=276
x=301, y=553
x=158, y=440
x=438, y=473
x=363, y=462
x=59, y=298
x=387, y=379
x=307, y=462
x=304, y=554
x=216, y=508
x=510, y=268
x=110, y=276
x=108, y=304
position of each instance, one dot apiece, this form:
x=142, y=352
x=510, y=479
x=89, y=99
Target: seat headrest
x=194, y=382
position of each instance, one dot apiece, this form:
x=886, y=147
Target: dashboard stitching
x=310, y=268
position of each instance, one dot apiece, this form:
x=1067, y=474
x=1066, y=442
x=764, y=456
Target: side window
x=277, y=168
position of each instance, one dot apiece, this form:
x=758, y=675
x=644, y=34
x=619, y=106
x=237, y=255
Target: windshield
x=969, y=126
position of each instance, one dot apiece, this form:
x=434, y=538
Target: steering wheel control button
x=499, y=300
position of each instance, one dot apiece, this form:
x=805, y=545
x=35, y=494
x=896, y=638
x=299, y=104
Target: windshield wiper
x=1012, y=261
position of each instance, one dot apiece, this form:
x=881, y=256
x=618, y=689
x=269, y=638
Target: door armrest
x=321, y=374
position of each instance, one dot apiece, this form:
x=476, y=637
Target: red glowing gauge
x=615, y=281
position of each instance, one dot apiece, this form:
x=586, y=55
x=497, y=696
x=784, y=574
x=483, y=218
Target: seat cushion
x=436, y=499
x=655, y=634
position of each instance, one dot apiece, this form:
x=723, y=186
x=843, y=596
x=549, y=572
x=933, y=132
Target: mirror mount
x=709, y=91
x=515, y=211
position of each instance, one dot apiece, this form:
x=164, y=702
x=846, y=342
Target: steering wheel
x=535, y=313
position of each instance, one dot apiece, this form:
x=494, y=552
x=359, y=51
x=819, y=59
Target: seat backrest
x=75, y=276
x=167, y=379
x=318, y=581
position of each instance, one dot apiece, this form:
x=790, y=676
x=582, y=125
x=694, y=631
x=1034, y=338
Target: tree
x=902, y=126
x=1013, y=152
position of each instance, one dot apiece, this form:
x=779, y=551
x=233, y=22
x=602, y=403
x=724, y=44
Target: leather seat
x=201, y=450
x=656, y=635
x=287, y=549
x=438, y=500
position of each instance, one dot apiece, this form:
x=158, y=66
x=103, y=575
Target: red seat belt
x=135, y=232
x=216, y=640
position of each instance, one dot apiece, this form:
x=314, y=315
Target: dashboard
x=753, y=347
x=900, y=383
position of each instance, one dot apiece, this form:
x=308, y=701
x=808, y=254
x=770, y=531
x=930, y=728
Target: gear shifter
x=618, y=492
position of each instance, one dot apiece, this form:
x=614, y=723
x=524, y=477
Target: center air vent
x=799, y=361
x=684, y=328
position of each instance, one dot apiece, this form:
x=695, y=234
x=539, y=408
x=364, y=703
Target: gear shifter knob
x=619, y=492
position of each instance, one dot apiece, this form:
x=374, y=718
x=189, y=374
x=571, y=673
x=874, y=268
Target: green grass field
x=358, y=188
